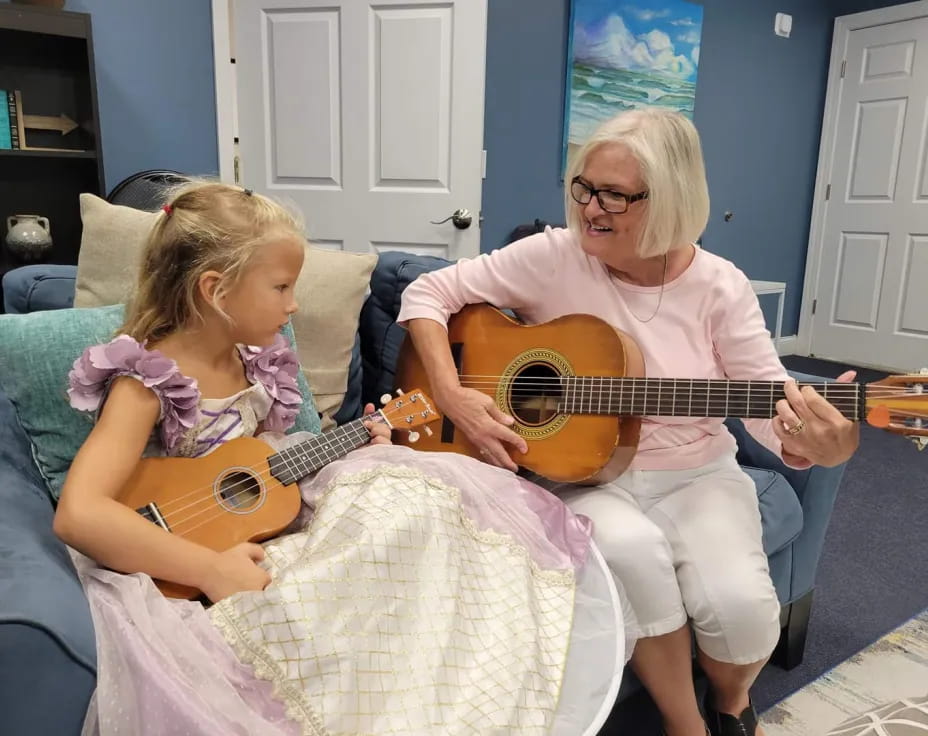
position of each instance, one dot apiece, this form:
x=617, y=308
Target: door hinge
x=843, y=68
x=235, y=170
x=814, y=305
x=828, y=192
x=483, y=164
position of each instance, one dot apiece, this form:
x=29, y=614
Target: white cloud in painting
x=687, y=22
x=612, y=45
x=688, y=36
x=645, y=15
x=694, y=54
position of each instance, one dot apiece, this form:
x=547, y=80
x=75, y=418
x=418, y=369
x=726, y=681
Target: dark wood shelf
x=48, y=154
x=47, y=56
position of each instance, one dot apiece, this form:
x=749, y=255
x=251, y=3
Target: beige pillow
x=330, y=292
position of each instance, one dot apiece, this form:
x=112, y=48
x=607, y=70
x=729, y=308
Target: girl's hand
x=380, y=432
x=477, y=415
x=825, y=436
x=235, y=570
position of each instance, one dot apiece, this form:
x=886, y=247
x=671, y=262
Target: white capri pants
x=687, y=544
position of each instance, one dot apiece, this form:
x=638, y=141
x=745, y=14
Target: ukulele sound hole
x=239, y=492
x=534, y=394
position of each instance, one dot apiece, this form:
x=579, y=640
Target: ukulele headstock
x=409, y=410
x=899, y=404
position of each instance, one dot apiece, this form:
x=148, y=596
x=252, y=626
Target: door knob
x=460, y=218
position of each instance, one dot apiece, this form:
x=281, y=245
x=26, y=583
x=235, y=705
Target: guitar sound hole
x=239, y=491
x=534, y=394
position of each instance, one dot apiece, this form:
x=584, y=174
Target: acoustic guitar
x=577, y=391
x=244, y=491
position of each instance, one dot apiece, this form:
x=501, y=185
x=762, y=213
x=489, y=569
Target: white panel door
x=872, y=292
x=367, y=115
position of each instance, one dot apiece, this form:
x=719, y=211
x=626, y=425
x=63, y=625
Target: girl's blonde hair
x=666, y=146
x=207, y=226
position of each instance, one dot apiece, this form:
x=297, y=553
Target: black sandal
x=726, y=724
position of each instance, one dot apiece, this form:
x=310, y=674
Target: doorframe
x=843, y=26
x=224, y=74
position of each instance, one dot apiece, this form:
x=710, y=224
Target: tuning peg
x=413, y=436
x=385, y=399
x=399, y=392
x=428, y=431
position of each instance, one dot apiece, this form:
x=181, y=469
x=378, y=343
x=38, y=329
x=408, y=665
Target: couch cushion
x=780, y=511
x=381, y=337
x=38, y=584
x=38, y=287
x=36, y=353
x=330, y=292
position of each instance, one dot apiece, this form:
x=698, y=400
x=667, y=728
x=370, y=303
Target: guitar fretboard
x=296, y=462
x=685, y=397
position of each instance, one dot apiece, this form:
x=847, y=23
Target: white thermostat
x=783, y=25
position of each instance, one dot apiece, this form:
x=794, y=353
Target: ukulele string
x=392, y=415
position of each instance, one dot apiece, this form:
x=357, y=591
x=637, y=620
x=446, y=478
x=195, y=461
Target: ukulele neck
x=296, y=462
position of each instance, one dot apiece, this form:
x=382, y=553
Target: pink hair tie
x=168, y=209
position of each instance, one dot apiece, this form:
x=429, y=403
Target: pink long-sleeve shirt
x=709, y=325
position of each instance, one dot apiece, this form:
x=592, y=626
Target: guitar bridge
x=151, y=512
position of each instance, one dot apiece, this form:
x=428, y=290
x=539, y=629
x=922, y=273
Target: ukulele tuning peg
x=428, y=431
x=399, y=392
x=413, y=436
x=385, y=399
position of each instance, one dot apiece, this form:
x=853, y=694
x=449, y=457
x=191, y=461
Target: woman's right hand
x=235, y=570
x=476, y=414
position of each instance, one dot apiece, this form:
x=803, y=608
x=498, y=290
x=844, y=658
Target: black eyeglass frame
x=629, y=198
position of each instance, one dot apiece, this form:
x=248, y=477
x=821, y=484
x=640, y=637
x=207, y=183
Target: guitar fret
x=746, y=399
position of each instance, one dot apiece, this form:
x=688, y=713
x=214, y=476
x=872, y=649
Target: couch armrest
x=43, y=609
x=39, y=287
x=816, y=488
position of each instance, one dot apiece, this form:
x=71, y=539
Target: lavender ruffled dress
x=417, y=593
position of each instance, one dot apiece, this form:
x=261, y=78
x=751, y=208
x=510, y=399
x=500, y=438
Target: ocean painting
x=625, y=55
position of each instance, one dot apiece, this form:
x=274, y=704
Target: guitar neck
x=685, y=397
x=296, y=462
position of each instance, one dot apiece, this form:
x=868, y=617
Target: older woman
x=681, y=528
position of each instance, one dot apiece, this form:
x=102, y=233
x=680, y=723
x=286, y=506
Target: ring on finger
x=484, y=451
x=798, y=428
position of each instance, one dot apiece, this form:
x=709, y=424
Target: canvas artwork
x=626, y=55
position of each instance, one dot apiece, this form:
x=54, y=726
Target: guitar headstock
x=900, y=404
x=409, y=410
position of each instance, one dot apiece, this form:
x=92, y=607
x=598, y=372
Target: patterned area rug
x=880, y=691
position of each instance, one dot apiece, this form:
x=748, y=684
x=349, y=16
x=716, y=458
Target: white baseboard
x=788, y=345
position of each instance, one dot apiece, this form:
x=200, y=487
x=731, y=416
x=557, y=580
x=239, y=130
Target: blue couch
x=47, y=670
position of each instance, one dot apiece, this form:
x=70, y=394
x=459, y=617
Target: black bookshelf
x=48, y=56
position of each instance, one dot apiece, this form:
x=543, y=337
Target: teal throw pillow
x=36, y=354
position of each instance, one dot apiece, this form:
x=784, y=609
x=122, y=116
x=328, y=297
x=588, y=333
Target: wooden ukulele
x=576, y=389
x=244, y=491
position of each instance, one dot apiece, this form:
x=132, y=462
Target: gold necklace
x=660, y=297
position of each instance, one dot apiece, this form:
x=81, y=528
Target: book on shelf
x=11, y=120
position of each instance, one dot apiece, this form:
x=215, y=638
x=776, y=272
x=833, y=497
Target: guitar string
x=221, y=512
x=644, y=411
x=291, y=462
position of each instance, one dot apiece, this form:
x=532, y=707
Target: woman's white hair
x=666, y=146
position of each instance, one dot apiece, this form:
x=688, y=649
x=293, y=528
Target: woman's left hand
x=380, y=432
x=825, y=437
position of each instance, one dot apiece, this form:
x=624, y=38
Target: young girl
x=218, y=274
x=380, y=612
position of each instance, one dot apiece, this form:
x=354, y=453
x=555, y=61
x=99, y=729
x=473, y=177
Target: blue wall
x=155, y=88
x=759, y=103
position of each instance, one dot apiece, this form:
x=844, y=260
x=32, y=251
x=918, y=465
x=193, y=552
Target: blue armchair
x=47, y=673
